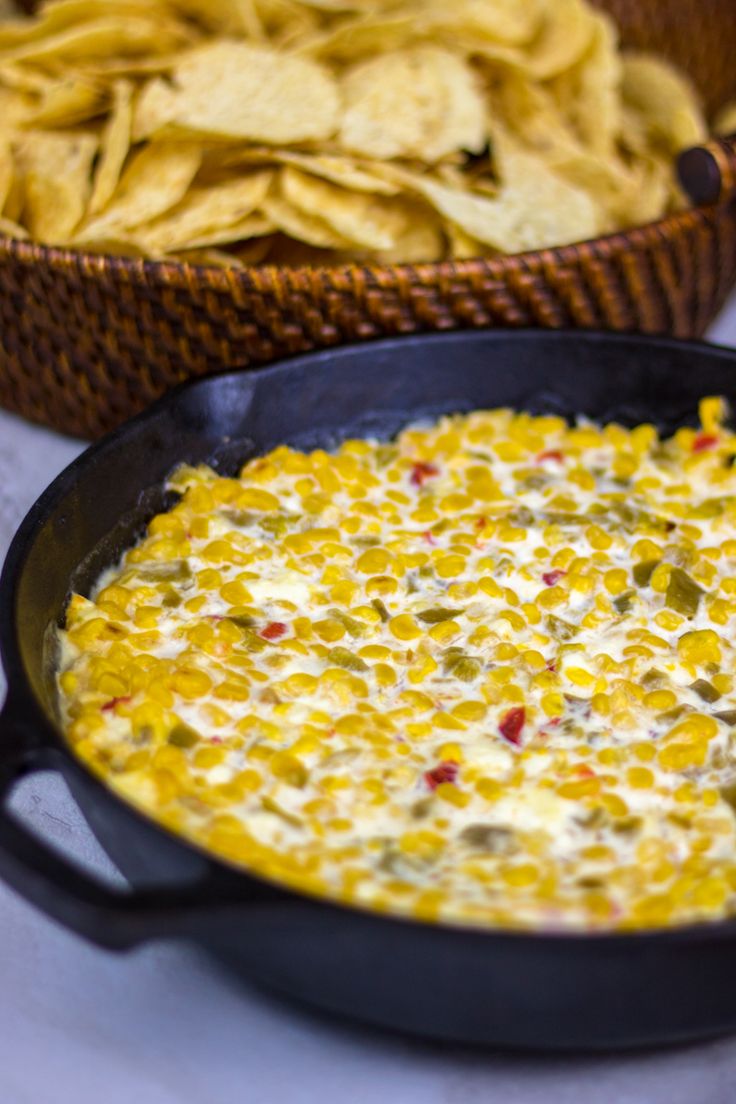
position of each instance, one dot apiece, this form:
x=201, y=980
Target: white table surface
x=162, y=1025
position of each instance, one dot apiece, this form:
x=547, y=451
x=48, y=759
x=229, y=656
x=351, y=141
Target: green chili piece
x=683, y=593
x=183, y=735
x=437, y=614
x=728, y=793
x=381, y=610
x=623, y=603
x=353, y=626
x=463, y=667
x=343, y=657
x=705, y=690
x=643, y=571
x=242, y=620
x=561, y=630
x=176, y=571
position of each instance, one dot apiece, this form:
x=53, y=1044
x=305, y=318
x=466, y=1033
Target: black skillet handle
x=707, y=173
x=113, y=919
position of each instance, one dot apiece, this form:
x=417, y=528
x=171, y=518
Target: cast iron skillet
x=455, y=983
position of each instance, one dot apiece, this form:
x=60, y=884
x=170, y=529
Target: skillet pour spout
x=541, y=990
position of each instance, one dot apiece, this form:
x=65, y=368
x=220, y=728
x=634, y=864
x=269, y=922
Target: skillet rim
x=28, y=712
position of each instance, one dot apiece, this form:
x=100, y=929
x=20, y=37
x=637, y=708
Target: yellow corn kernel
x=523, y=874
x=598, y=538
x=578, y=676
x=644, y=751
x=149, y=722
x=489, y=789
x=207, y=757
x=668, y=620
x=190, y=683
x=329, y=630
x=404, y=627
x=553, y=704
x=700, y=646
x=450, y=752
x=235, y=593
x=640, y=778
x=580, y=787
x=422, y=670
x=445, y=632
x=449, y=792
x=381, y=585
x=375, y=651
x=252, y=498
x=199, y=528
x=374, y=561
x=660, y=578
x=660, y=700
x=449, y=567
x=712, y=412
x=719, y=611
x=424, y=844
x=470, y=710
x=601, y=703
x=681, y=756
x=288, y=768
x=299, y=684
x=614, y=804
x=69, y=682
x=616, y=580
x=384, y=674
x=490, y=587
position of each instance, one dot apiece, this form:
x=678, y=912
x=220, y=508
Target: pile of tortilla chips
x=322, y=131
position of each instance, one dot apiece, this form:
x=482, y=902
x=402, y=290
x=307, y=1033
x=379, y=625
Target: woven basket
x=87, y=341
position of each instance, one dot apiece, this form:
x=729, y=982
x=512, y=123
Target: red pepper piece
x=429, y=537
x=554, y=721
x=511, y=724
x=115, y=701
x=551, y=577
x=274, y=631
x=422, y=471
x=704, y=441
x=550, y=454
x=446, y=771
x=585, y=772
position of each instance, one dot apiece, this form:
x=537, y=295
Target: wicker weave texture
x=86, y=341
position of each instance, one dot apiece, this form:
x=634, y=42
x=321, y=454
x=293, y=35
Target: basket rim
x=141, y=270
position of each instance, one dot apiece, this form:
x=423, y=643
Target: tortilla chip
x=725, y=122
x=7, y=172
x=118, y=36
x=589, y=93
x=665, y=101
x=423, y=102
x=492, y=22
x=203, y=215
x=11, y=229
x=534, y=208
x=155, y=180
x=115, y=143
x=57, y=169
x=310, y=229
x=68, y=101
x=237, y=91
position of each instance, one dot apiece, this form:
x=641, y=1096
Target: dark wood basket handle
x=707, y=173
